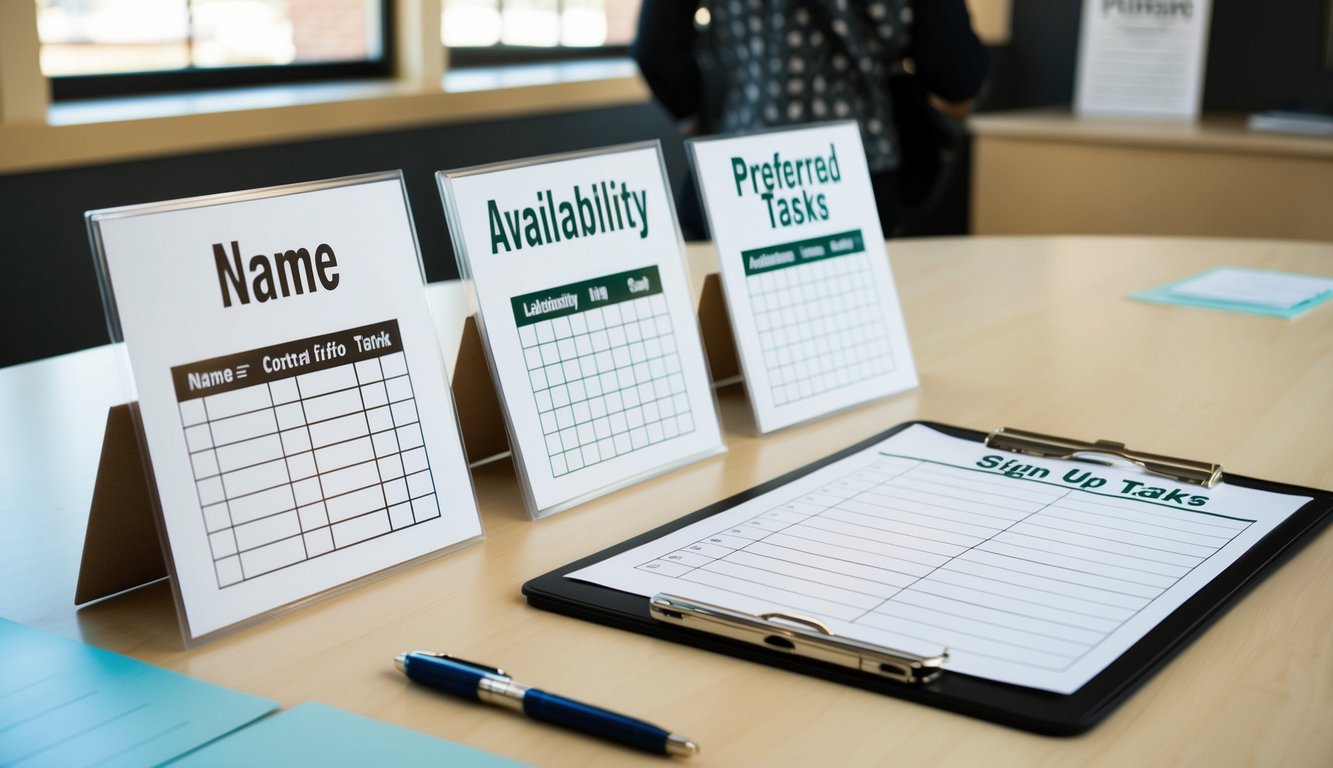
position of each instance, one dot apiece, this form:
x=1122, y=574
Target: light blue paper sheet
x=1173, y=293
x=319, y=735
x=67, y=704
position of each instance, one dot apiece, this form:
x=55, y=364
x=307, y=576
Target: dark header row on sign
x=769, y=258
x=585, y=295
x=283, y=361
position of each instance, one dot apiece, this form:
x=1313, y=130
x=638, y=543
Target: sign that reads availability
x=587, y=316
x=291, y=391
x=807, y=280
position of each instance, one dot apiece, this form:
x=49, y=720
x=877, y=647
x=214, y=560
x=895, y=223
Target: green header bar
x=589, y=294
x=773, y=257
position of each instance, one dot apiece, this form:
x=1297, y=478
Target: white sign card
x=576, y=266
x=809, y=290
x=1142, y=58
x=292, y=396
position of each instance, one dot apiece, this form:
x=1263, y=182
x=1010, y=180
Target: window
x=109, y=47
x=496, y=31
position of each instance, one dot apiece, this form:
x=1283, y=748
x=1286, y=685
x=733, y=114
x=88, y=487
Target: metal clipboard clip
x=1202, y=473
x=775, y=631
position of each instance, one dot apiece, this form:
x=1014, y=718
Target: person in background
x=731, y=66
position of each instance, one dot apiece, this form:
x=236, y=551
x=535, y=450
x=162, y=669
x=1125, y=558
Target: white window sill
x=523, y=75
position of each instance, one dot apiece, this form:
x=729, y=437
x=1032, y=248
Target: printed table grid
x=298, y=467
x=820, y=326
x=943, y=556
x=607, y=382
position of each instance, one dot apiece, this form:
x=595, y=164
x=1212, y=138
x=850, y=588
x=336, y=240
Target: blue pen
x=493, y=686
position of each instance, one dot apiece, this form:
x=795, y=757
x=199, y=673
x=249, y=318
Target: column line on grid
x=231, y=522
x=366, y=418
x=314, y=459
x=287, y=466
x=416, y=412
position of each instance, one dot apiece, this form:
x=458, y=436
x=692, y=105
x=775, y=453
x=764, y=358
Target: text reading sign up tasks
x=809, y=291
x=291, y=390
x=588, y=319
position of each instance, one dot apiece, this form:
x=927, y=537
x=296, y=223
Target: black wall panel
x=49, y=297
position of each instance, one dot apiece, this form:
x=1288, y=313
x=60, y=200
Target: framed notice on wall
x=292, y=401
x=1142, y=58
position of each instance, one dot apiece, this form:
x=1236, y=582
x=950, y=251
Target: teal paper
x=66, y=704
x=1163, y=295
x=313, y=734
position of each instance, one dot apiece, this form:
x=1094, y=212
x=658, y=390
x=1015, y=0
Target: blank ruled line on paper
x=963, y=534
x=928, y=475
x=1095, y=555
x=1055, y=522
x=973, y=613
x=844, y=546
x=827, y=522
x=777, y=552
x=1133, y=511
x=1038, y=530
x=1006, y=593
x=1014, y=580
x=916, y=543
x=1134, y=532
x=1079, y=558
x=1006, y=605
x=883, y=505
x=937, y=498
x=1071, y=565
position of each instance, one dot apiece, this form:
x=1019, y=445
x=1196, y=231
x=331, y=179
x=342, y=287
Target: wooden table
x=1036, y=333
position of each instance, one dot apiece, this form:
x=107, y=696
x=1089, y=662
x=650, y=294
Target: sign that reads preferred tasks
x=809, y=291
x=291, y=390
x=587, y=317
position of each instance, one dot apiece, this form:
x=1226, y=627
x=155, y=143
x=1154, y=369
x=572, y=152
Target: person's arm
x=950, y=61
x=664, y=50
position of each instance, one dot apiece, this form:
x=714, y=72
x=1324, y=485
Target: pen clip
x=819, y=642
x=483, y=667
x=1202, y=473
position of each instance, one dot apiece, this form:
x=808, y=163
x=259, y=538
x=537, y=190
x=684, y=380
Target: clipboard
x=1019, y=707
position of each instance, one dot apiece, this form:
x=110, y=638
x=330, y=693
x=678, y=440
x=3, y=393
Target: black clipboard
x=1016, y=706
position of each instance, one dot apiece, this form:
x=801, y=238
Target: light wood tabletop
x=1035, y=333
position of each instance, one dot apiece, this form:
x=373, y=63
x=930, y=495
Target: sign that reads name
x=808, y=286
x=291, y=391
x=287, y=272
x=587, y=318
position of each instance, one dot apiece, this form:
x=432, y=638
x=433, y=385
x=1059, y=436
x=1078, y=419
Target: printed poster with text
x=588, y=320
x=1142, y=58
x=809, y=290
x=291, y=391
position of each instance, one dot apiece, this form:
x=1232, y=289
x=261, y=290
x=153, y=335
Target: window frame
x=499, y=55
x=195, y=78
